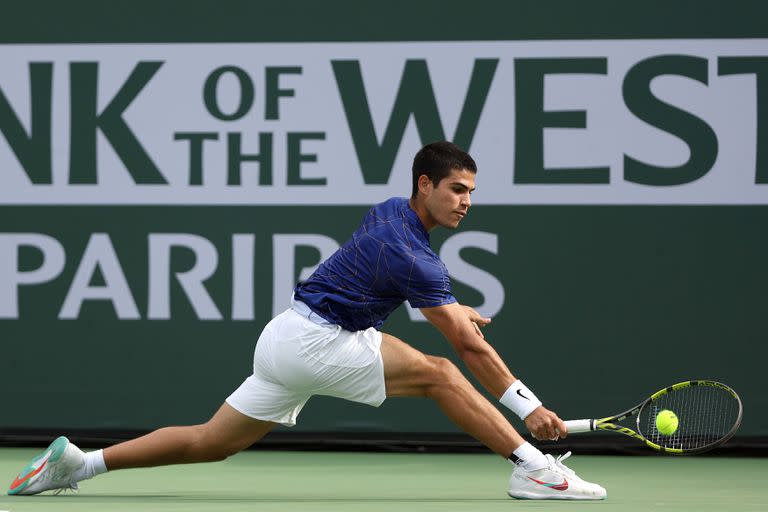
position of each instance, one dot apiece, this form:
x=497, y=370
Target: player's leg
x=248, y=414
x=226, y=433
x=260, y=403
x=62, y=465
x=409, y=372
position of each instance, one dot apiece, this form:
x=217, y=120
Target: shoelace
x=71, y=487
x=562, y=467
x=53, y=476
x=571, y=473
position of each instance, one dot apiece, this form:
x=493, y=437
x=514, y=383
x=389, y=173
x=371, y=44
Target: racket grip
x=578, y=426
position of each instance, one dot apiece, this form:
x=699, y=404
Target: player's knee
x=447, y=370
x=444, y=374
x=210, y=447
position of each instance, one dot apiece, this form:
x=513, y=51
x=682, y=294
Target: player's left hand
x=545, y=425
x=476, y=318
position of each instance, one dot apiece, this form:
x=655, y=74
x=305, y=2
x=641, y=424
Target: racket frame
x=610, y=423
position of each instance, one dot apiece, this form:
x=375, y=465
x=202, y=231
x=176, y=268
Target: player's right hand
x=545, y=425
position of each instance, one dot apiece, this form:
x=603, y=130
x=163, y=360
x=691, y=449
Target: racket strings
x=705, y=415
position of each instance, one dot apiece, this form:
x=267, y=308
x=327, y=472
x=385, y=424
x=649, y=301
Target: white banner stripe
x=297, y=103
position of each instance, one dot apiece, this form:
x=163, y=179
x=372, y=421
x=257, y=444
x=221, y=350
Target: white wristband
x=520, y=399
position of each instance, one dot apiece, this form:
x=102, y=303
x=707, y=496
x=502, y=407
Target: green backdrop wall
x=628, y=293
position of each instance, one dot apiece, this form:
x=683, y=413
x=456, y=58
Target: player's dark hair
x=437, y=160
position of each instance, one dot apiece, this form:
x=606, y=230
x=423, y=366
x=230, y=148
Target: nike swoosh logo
x=19, y=481
x=522, y=395
x=558, y=487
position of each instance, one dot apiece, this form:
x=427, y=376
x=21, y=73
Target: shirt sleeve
x=422, y=279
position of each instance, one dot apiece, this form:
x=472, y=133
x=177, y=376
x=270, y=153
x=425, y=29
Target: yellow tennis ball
x=666, y=422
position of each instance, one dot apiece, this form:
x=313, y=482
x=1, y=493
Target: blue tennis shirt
x=387, y=261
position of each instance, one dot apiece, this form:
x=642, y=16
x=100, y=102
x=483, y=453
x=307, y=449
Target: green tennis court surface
x=369, y=482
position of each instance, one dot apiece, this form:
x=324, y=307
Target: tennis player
x=329, y=343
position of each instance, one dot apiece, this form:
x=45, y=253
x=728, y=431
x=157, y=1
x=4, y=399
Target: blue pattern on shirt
x=388, y=260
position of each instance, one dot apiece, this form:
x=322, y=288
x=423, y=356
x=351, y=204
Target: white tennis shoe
x=554, y=482
x=55, y=468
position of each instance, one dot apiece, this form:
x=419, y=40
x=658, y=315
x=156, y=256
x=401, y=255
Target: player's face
x=449, y=202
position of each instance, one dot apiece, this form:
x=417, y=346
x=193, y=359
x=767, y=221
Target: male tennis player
x=328, y=343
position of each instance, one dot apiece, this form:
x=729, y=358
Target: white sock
x=94, y=465
x=529, y=457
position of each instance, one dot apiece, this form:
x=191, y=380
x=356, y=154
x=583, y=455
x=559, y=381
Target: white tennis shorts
x=296, y=358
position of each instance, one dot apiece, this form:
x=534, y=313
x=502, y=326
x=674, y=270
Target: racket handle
x=578, y=426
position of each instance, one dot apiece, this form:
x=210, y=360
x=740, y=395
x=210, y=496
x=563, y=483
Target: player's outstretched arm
x=455, y=322
x=460, y=325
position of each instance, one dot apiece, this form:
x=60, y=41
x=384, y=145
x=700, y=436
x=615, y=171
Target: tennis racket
x=709, y=413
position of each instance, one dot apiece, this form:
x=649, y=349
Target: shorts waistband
x=304, y=310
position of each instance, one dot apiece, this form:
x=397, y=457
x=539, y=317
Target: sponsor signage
x=549, y=122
